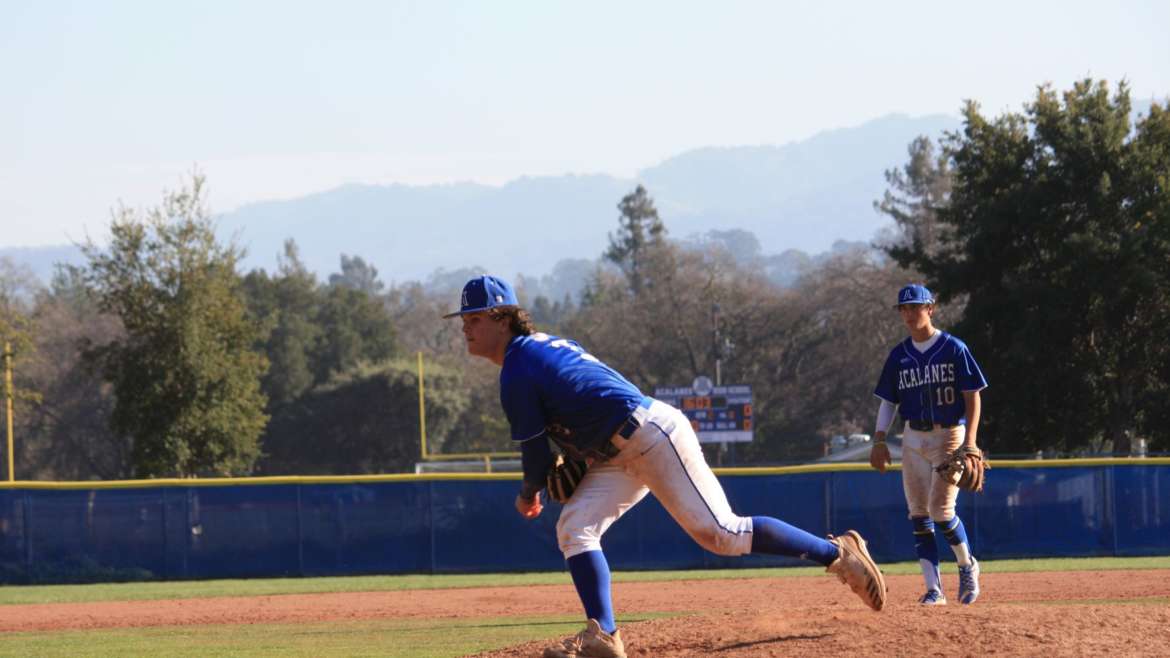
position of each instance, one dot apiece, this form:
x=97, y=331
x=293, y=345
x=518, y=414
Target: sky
x=105, y=103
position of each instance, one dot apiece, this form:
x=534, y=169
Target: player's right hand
x=879, y=457
x=529, y=509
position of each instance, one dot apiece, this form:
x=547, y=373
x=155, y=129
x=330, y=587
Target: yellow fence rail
x=451, y=456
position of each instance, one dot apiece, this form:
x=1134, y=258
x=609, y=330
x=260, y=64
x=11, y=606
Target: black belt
x=924, y=425
x=631, y=424
x=606, y=449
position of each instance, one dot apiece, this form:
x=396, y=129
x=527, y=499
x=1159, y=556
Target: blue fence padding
x=448, y=526
x=364, y=528
x=1140, y=505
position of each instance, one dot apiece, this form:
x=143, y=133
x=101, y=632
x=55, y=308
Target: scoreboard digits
x=722, y=415
x=703, y=402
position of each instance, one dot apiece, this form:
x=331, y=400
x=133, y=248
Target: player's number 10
x=945, y=395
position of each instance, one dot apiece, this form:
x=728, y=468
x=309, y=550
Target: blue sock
x=924, y=544
x=956, y=536
x=590, y=574
x=775, y=537
x=954, y=531
x=927, y=549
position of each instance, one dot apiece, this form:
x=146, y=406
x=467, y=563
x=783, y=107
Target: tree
x=1058, y=235
x=186, y=374
x=550, y=314
x=823, y=345
x=354, y=327
x=286, y=305
x=743, y=246
x=413, y=309
x=66, y=434
x=917, y=192
x=17, y=287
x=364, y=421
x=639, y=231
x=358, y=275
x=314, y=332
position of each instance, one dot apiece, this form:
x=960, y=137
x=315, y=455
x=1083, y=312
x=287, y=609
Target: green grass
x=399, y=638
x=1160, y=601
x=139, y=591
x=405, y=638
x=1045, y=564
x=384, y=637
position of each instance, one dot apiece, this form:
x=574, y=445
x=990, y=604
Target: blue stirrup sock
x=775, y=537
x=924, y=544
x=956, y=536
x=926, y=548
x=590, y=573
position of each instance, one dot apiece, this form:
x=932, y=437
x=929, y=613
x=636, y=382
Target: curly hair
x=518, y=319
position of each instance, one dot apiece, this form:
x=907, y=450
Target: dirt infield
x=1085, y=613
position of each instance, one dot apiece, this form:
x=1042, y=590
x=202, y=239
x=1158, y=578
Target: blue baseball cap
x=914, y=294
x=483, y=293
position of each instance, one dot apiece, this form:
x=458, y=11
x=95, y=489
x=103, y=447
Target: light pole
x=715, y=344
x=8, y=406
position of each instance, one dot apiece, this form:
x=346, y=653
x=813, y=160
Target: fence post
x=829, y=503
x=300, y=535
x=165, y=553
x=1110, y=488
x=27, y=537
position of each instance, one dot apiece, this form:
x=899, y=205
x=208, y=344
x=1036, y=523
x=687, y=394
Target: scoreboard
x=719, y=414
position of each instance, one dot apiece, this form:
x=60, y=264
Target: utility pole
x=717, y=348
x=8, y=406
x=721, y=347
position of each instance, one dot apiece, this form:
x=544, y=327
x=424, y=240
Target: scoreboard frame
x=718, y=414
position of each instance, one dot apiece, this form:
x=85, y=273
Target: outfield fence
x=445, y=523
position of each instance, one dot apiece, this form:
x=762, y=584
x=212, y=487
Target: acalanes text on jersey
x=936, y=373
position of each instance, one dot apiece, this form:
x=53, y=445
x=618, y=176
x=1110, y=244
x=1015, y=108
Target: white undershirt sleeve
x=885, y=415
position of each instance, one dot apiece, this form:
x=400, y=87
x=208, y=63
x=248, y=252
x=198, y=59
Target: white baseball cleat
x=856, y=568
x=969, y=583
x=589, y=643
x=932, y=597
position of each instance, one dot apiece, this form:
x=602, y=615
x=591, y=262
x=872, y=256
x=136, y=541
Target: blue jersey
x=929, y=385
x=552, y=385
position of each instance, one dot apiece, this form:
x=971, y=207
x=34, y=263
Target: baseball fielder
x=931, y=379
x=551, y=388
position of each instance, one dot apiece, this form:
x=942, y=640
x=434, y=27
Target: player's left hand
x=529, y=509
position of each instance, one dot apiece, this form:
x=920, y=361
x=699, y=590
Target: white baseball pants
x=927, y=493
x=662, y=457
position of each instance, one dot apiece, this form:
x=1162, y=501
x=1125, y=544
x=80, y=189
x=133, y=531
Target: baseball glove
x=563, y=478
x=965, y=468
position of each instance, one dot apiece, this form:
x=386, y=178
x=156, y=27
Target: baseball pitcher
x=551, y=389
x=932, y=381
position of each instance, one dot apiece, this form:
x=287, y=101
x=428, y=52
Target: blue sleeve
x=535, y=457
x=887, y=386
x=521, y=402
x=970, y=376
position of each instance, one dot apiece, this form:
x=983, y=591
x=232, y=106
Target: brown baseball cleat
x=589, y=643
x=857, y=569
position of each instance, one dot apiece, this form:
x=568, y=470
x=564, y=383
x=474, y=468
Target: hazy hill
x=803, y=195
x=40, y=261
x=408, y=232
